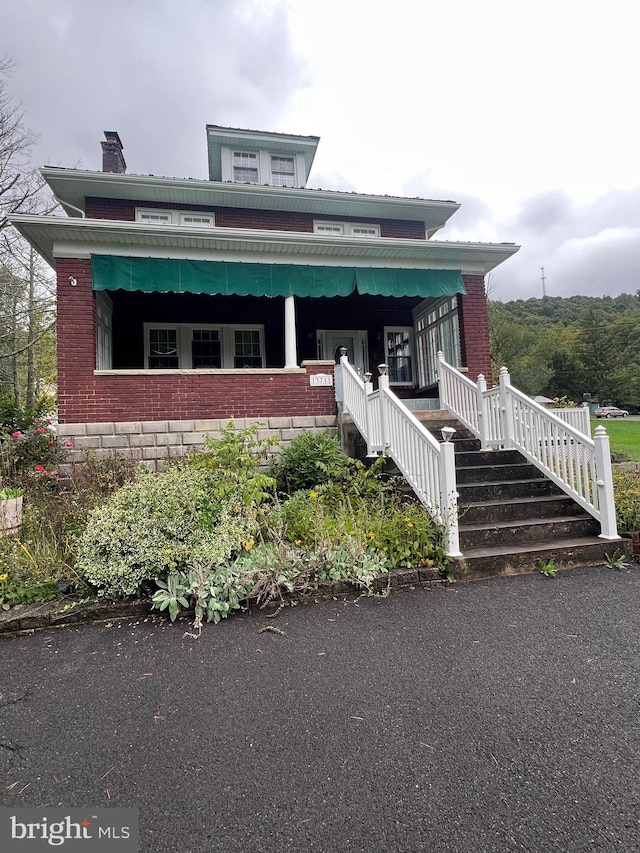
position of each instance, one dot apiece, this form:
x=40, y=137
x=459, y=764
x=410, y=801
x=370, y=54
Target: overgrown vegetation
x=224, y=528
x=626, y=486
x=220, y=530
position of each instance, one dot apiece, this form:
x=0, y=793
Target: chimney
x=112, y=159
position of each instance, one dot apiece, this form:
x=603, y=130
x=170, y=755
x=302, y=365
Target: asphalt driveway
x=502, y=715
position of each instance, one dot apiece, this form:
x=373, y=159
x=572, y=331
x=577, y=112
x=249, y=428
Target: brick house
x=184, y=302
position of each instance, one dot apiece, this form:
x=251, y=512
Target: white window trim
x=104, y=333
x=175, y=217
x=292, y=175
x=184, y=338
x=411, y=383
x=348, y=229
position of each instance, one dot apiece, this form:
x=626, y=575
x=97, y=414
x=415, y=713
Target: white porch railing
x=388, y=426
x=557, y=442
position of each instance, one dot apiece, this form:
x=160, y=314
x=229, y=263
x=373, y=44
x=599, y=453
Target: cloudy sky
x=525, y=112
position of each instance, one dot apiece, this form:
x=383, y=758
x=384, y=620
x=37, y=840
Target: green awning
x=395, y=282
x=168, y=275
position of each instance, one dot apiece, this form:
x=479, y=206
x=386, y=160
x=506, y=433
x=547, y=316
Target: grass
x=624, y=436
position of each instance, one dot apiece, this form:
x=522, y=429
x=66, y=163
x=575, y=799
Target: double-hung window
x=189, y=346
x=245, y=167
x=282, y=171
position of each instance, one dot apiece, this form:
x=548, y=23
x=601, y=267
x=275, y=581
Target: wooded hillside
x=575, y=346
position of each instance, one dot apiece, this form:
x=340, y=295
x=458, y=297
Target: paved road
x=497, y=716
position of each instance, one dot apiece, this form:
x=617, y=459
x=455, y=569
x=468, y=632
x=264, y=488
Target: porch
x=140, y=353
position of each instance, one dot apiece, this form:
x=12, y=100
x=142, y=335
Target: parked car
x=611, y=412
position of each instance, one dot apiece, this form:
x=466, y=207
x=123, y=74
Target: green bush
x=626, y=486
x=235, y=461
x=158, y=524
x=33, y=452
x=311, y=459
x=367, y=509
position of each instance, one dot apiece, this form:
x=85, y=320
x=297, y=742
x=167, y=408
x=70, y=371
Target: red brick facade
x=87, y=397
x=474, y=329
x=232, y=217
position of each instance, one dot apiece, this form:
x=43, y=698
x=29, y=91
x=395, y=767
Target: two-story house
x=185, y=301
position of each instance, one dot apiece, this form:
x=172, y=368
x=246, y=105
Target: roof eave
x=72, y=186
x=50, y=234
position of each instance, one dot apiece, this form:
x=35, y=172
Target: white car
x=611, y=412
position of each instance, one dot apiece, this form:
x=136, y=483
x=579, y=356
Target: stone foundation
x=154, y=443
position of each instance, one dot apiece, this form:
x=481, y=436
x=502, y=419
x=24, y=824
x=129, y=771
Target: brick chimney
x=112, y=159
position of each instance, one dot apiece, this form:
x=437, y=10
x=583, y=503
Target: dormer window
x=245, y=167
x=283, y=172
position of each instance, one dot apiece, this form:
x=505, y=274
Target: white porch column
x=290, y=348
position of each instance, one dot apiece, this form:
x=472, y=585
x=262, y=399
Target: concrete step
x=491, y=511
x=507, y=490
x=488, y=457
x=494, y=560
x=523, y=531
x=490, y=474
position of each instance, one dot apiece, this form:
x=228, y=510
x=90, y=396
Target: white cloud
x=523, y=112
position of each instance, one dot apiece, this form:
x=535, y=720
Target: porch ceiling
x=59, y=236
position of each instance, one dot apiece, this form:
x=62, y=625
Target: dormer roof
x=283, y=144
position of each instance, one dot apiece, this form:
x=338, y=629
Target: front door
x=330, y=342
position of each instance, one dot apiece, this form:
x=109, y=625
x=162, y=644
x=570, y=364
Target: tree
x=26, y=287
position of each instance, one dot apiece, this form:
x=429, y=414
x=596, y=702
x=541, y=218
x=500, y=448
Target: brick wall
x=236, y=217
x=474, y=329
x=85, y=396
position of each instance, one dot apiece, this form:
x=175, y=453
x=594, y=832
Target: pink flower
x=39, y=468
x=68, y=443
x=47, y=420
x=16, y=434
x=50, y=442
x=41, y=429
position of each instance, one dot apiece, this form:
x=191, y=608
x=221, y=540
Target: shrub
x=35, y=452
x=158, y=524
x=311, y=459
x=626, y=486
x=367, y=509
x=234, y=462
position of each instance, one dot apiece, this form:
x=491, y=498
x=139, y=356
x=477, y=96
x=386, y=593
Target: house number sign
x=320, y=379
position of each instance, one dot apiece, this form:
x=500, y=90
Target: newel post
x=604, y=483
x=483, y=411
x=442, y=384
x=368, y=389
x=506, y=409
x=449, y=492
x=383, y=387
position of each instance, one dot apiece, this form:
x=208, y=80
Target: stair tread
x=490, y=483
x=523, y=522
x=535, y=499
x=528, y=547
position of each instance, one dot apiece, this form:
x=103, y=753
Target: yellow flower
x=298, y=542
x=372, y=535
x=3, y=577
x=409, y=523
x=313, y=495
x=248, y=545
